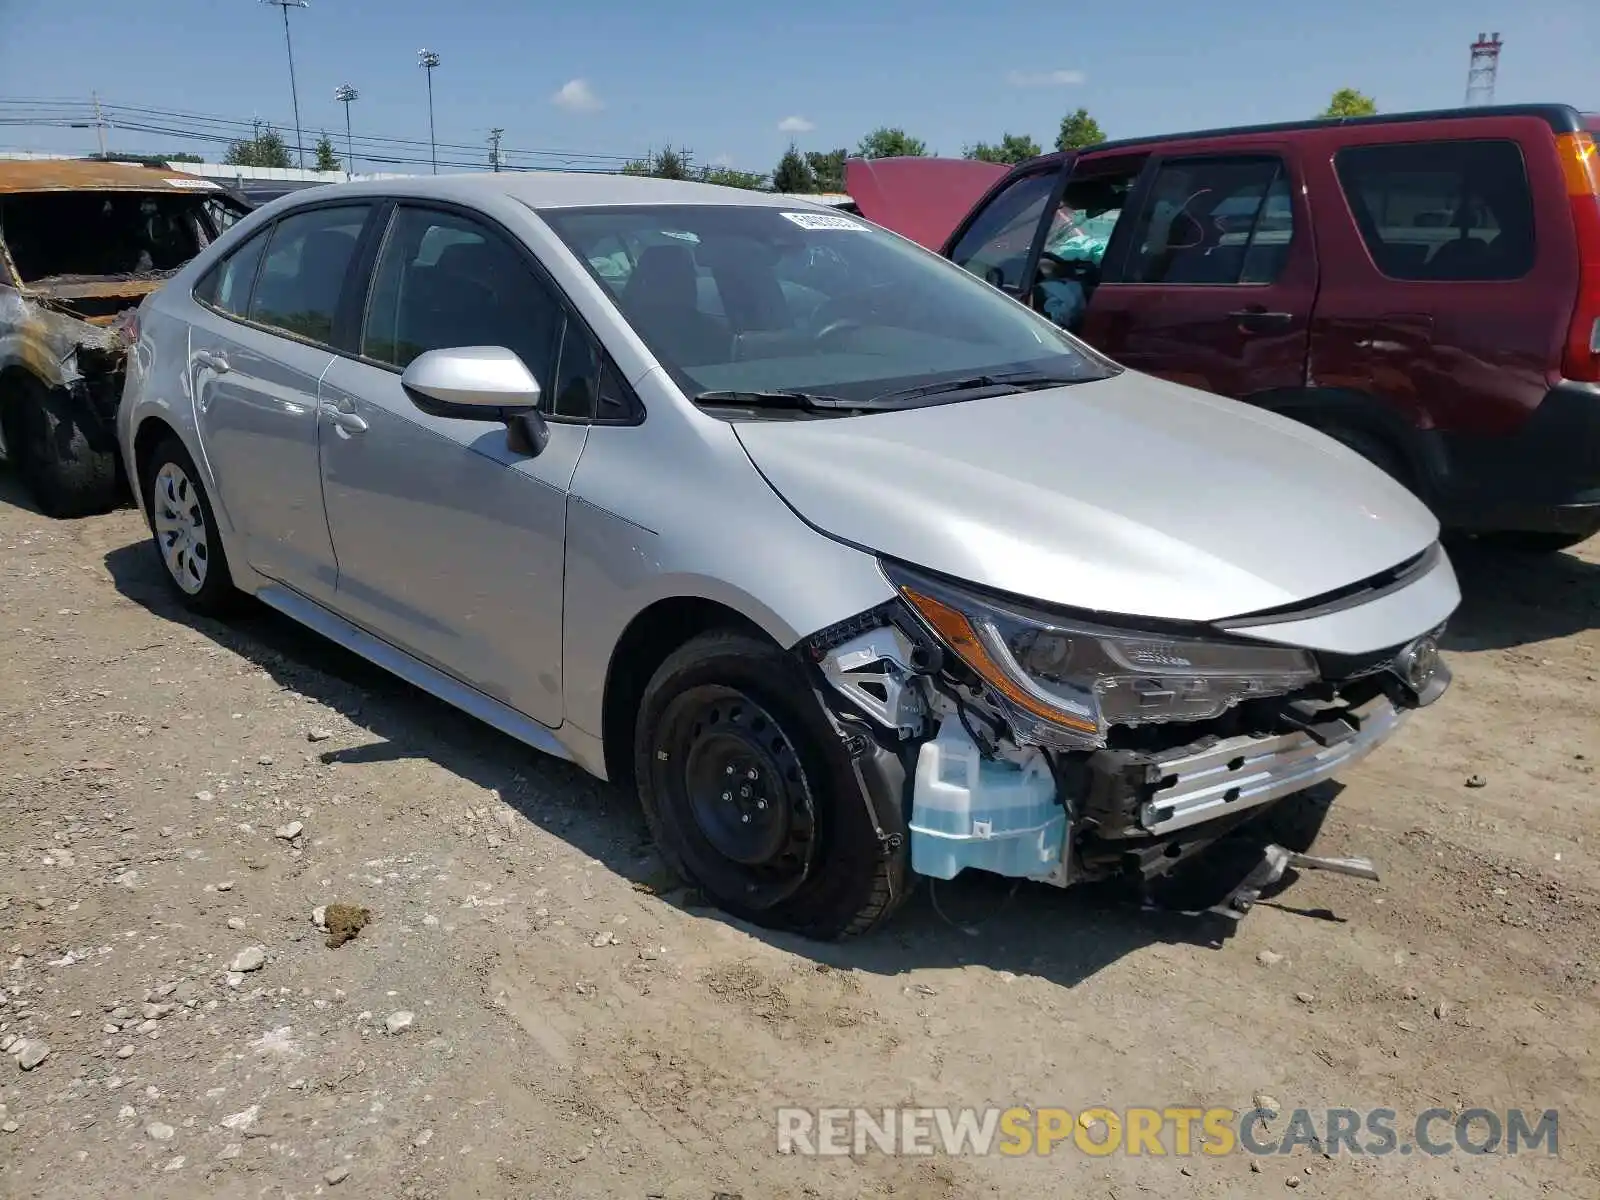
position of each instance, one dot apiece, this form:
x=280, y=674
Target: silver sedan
x=855, y=568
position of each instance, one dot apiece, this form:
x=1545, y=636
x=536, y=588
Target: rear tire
x=184, y=530
x=65, y=475
x=1524, y=542
x=751, y=796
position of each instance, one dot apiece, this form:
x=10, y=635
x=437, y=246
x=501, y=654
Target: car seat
x=660, y=298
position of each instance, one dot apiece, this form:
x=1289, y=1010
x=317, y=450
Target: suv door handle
x=1260, y=318
x=212, y=360
x=345, y=418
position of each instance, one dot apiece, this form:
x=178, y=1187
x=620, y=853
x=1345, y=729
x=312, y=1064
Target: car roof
x=1561, y=118
x=93, y=175
x=543, y=190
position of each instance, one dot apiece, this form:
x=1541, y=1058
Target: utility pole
x=494, y=147
x=99, y=123
x=428, y=60
x=294, y=94
x=346, y=95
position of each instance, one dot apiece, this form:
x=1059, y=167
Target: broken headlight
x=1064, y=681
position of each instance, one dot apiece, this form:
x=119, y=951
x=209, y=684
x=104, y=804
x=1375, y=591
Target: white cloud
x=577, y=96
x=1032, y=79
x=796, y=125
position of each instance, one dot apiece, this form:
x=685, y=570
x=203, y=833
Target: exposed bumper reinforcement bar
x=1245, y=772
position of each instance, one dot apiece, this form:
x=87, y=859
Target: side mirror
x=473, y=383
x=480, y=383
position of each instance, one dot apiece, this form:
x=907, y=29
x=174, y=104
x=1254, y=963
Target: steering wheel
x=856, y=306
x=834, y=327
x=1068, y=268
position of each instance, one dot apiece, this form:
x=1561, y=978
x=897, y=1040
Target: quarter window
x=1214, y=221
x=995, y=246
x=1453, y=211
x=444, y=280
x=227, y=285
x=305, y=269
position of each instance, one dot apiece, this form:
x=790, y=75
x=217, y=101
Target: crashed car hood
x=923, y=199
x=81, y=287
x=1129, y=495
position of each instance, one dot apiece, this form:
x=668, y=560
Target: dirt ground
x=523, y=1015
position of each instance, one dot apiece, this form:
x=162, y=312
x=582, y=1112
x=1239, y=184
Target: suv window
x=227, y=285
x=304, y=271
x=1457, y=210
x=443, y=280
x=1214, y=221
x=995, y=246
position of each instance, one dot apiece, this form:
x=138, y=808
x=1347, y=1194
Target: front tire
x=184, y=530
x=751, y=796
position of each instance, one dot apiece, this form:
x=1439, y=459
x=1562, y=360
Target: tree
x=1079, y=129
x=665, y=163
x=884, y=142
x=327, y=158
x=793, y=173
x=149, y=160
x=265, y=148
x=827, y=168
x=1013, y=148
x=729, y=177
x=1347, y=102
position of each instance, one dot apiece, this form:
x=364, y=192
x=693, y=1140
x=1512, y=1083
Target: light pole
x=494, y=147
x=428, y=60
x=345, y=95
x=294, y=94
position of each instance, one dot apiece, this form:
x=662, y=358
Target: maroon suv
x=1424, y=287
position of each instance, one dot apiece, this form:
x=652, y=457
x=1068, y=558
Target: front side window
x=995, y=246
x=759, y=299
x=444, y=280
x=1214, y=221
x=304, y=271
x=1455, y=211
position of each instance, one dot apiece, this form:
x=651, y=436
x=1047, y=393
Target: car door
x=999, y=240
x=257, y=351
x=1215, y=282
x=450, y=542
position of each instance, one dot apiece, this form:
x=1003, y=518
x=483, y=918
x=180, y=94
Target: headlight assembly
x=1064, y=681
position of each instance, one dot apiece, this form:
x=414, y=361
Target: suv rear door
x=1213, y=280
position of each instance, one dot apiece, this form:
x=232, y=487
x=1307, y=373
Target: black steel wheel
x=751, y=795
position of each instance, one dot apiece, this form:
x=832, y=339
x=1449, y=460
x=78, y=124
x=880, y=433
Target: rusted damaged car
x=81, y=244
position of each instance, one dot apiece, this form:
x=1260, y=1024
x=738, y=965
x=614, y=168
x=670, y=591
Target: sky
x=735, y=82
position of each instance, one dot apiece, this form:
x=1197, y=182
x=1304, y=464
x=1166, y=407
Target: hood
x=1128, y=495
x=923, y=199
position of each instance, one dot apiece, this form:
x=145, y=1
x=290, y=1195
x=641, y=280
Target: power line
x=65, y=112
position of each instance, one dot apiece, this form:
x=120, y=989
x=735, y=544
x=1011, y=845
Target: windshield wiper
x=779, y=398
x=1020, y=381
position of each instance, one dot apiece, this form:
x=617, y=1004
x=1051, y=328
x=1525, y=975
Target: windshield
x=735, y=299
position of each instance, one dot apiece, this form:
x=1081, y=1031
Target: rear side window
x=1455, y=211
x=995, y=246
x=227, y=285
x=1214, y=221
x=304, y=270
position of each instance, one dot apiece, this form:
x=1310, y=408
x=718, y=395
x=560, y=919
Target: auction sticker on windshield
x=824, y=221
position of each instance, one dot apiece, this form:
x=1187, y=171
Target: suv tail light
x=1581, y=166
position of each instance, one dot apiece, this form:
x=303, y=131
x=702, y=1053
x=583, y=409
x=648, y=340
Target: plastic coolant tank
x=969, y=811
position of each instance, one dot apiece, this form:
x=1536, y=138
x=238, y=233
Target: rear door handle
x=212, y=360
x=1260, y=318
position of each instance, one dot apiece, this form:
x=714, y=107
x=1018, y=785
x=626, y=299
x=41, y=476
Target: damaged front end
x=1034, y=745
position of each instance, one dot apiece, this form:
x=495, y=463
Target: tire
x=183, y=530
x=1525, y=542
x=795, y=849
x=1375, y=450
x=65, y=475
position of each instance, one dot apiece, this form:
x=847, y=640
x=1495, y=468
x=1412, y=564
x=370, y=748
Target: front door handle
x=347, y=422
x=212, y=360
x=1259, y=319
